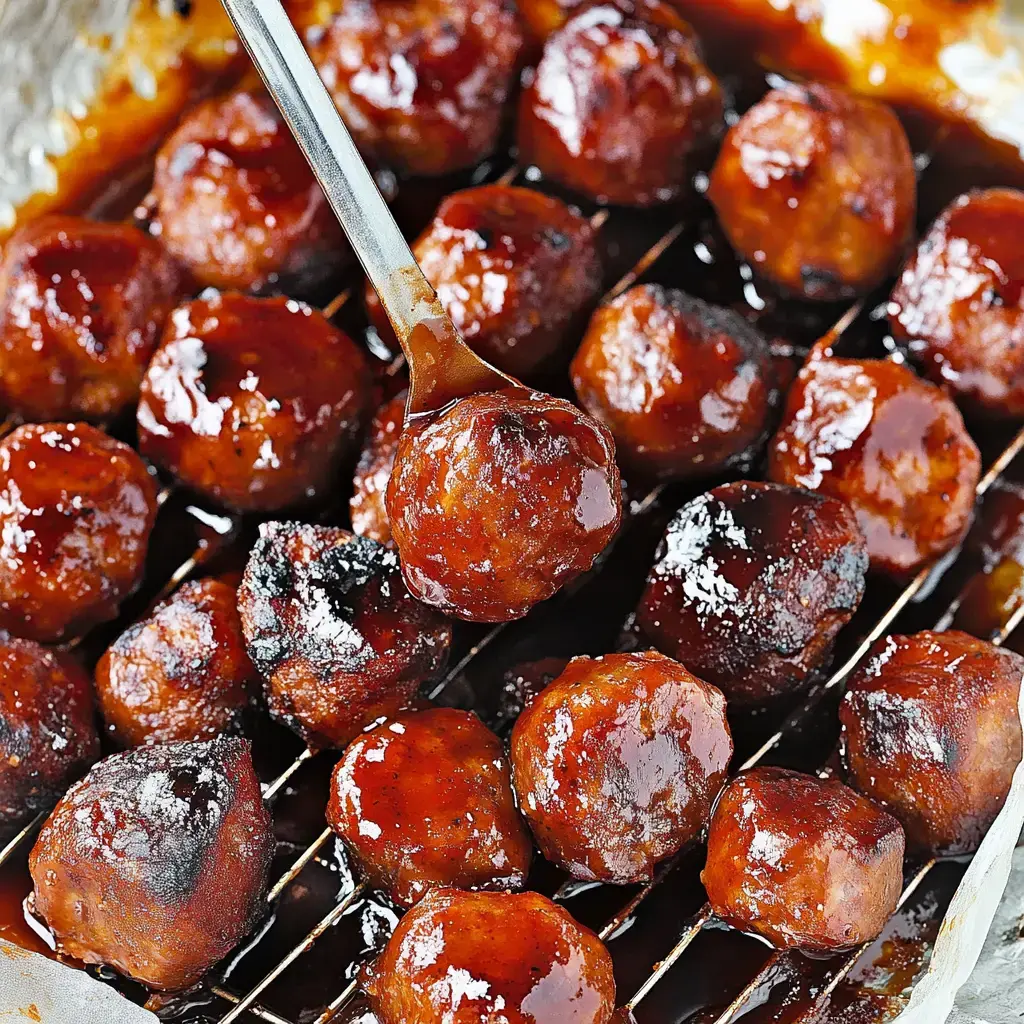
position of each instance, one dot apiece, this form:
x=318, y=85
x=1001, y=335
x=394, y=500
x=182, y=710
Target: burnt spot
x=820, y=281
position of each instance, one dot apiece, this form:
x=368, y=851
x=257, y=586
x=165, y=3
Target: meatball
x=931, y=732
x=501, y=499
x=168, y=849
x=891, y=446
x=816, y=188
x=617, y=762
x=805, y=863
x=542, y=17
x=959, y=303
x=617, y=103
x=331, y=627
x=425, y=800
x=47, y=728
x=750, y=586
x=82, y=305
x=465, y=957
x=421, y=85
x=252, y=402
x=686, y=388
x=76, y=511
x=366, y=506
x=235, y=201
x=181, y=673
x=513, y=268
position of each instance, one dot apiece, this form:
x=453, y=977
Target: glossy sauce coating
x=816, y=189
x=686, y=388
x=518, y=958
x=366, y=506
x=891, y=446
x=48, y=732
x=424, y=801
x=805, y=863
x=751, y=584
x=617, y=762
x=513, y=268
x=235, y=201
x=156, y=863
x=331, y=627
x=931, y=732
x=181, y=673
x=252, y=402
x=619, y=100
x=499, y=500
x=82, y=305
x=959, y=302
x=421, y=84
x=76, y=511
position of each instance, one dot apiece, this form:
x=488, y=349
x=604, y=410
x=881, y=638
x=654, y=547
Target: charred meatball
x=425, y=800
x=931, y=732
x=618, y=102
x=81, y=308
x=959, y=303
x=815, y=187
x=750, y=586
x=332, y=629
x=686, y=388
x=501, y=499
x=235, y=201
x=181, y=673
x=806, y=863
x=513, y=268
x=47, y=728
x=252, y=402
x=617, y=762
x=168, y=849
x=891, y=446
x=465, y=957
x=366, y=506
x=76, y=511
x=421, y=85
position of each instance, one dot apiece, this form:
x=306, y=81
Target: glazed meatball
x=81, y=308
x=617, y=762
x=235, y=201
x=252, y=402
x=959, y=303
x=750, y=586
x=931, y=732
x=366, y=506
x=465, y=957
x=181, y=673
x=500, y=500
x=513, y=268
x=686, y=388
x=542, y=17
x=168, y=848
x=892, y=447
x=617, y=103
x=331, y=627
x=421, y=85
x=425, y=800
x=47, y=728
x=815, y=187
x=76, y=511
x=805, y=863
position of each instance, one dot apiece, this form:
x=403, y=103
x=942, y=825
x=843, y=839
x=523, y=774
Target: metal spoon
x=442, y=367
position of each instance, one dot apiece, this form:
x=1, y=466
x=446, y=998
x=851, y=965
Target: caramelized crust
x=893, y=447
x=425, y=800
x=366, y=506
x=805, y=863
x=332, y=629
x=931, y=731
x=499, y=500
x=156, y=862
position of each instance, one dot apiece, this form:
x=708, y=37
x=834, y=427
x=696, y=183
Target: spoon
x=442, y=367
